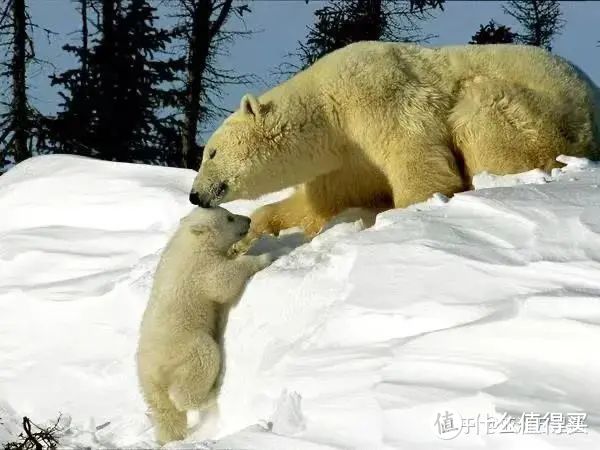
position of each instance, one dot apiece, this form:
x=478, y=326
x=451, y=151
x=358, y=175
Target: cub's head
x=217, y=225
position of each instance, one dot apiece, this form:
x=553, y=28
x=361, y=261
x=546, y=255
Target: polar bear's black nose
x=194, y=198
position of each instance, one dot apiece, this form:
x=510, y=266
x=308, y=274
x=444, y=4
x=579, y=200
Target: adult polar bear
x=381, y=125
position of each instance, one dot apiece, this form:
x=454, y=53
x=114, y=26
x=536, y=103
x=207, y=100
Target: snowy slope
x=484, y=304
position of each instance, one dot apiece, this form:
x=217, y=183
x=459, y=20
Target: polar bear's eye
x=230, y=219
x=212, y=154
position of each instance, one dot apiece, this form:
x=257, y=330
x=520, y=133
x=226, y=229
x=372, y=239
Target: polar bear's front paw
x=262, y=221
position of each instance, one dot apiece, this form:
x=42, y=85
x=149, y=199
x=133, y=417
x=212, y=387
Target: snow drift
x=482, y=305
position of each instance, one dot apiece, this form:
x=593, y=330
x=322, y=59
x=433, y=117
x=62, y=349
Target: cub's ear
x=199, y=229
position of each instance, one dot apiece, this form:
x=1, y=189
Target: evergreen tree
x=342, y=22
x=492, y=33
x=541, y=20
x=17, y=122
x=138, y=91
x=111, y=102
x=201, y=28
x=423, y=5
x=72, y=129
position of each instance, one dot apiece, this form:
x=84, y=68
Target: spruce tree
x=71, y=130
x=201, y=29
x=17, y=121
x=492, y=33
x=541, y=21
x=342, y=22
x=139, y=95
x=112, y=101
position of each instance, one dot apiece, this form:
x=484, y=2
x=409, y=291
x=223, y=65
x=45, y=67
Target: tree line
x=140, y=91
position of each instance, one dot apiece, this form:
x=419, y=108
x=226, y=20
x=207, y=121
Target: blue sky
x=280, y=24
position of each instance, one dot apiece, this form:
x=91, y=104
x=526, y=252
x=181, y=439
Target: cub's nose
x=194, y=198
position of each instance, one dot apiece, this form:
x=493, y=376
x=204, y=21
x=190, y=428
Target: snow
x=485, y=303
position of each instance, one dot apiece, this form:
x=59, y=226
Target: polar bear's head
x=232, y=156
x=262, y=147
x=217, y=225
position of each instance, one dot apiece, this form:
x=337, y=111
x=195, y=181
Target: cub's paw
x=237, y=249
x=242, y=246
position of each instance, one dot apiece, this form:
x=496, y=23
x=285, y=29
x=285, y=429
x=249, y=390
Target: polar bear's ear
x=250, y=105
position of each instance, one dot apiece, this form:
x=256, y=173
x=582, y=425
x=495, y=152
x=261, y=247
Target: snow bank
x=487, y=303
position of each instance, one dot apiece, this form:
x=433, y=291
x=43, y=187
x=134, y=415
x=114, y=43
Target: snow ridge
x=485, y=303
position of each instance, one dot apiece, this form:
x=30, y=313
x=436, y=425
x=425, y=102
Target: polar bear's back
x=347, y=74
x=555, y=88
x=529, y=66
x=524, y=65
x=357, y=65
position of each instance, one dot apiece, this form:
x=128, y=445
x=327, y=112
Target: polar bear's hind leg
x=503, y=128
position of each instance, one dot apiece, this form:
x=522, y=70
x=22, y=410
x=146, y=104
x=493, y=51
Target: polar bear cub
x=178, y=357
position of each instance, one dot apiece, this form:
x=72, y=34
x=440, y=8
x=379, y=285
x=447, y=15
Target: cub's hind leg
x=170, y=424
x=192, y=381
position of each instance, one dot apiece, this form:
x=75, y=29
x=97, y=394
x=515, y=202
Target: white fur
x=380, y=125
x=178, y=355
